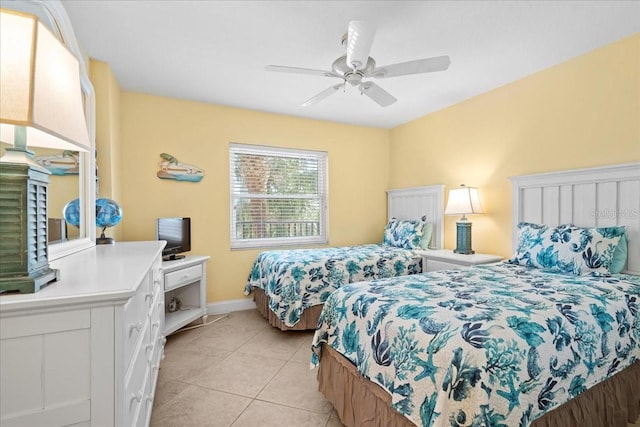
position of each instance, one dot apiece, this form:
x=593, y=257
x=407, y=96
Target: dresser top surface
x=101, y=273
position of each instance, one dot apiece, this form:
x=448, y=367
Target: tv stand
x=184, y=279
x=172, y=257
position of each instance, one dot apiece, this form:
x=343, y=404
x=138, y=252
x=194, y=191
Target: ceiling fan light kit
x=357, y=64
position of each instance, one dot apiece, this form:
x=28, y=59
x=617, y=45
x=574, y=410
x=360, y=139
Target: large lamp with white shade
x=463, y=201
x=41, y=105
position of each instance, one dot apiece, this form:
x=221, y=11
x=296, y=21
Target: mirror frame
x=53, y=14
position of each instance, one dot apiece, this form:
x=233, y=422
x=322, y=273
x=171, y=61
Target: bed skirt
x=308, y=320
x=361, y=403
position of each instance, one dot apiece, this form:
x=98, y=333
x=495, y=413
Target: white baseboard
x=223, y=307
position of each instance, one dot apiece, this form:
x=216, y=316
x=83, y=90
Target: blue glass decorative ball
x=71, y=212
x=108, y=213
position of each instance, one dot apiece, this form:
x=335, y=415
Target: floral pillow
x=567, y=248
x=404, y=233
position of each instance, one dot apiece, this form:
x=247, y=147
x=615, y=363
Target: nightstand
x=185, y=279
x=445, y=259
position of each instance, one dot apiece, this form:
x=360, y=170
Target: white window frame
x=323, y=160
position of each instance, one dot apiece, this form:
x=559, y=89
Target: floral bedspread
x=300, y=278
x=493, y=345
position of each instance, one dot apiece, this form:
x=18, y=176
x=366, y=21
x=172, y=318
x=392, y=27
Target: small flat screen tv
x=177, y=233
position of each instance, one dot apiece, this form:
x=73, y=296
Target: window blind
x=278, y=196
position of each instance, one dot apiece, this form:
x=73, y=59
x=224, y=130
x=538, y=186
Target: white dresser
x=85, y=351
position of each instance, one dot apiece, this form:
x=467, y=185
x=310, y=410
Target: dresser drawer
x=156, y=276
x=178, y=278
x=156, y=318
x=137, y=377
x=136, y=312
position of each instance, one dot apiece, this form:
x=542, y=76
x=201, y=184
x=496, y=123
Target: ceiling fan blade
x=379, y=95
x=296, y=70
x=322, y=95
x=426, y=65
x=359, y=41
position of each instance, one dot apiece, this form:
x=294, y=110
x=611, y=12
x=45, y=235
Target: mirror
x=82, y=185
x=64, y=187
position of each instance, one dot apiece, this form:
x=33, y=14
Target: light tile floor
x=239, y=371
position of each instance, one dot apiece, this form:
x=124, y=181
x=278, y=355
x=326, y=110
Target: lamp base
x=29, y=284
x=463, y=252
x=23, y=215
x=463, y=238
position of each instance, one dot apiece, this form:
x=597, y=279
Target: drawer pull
x=147, y=352
x=136, y=327
x=135, y=398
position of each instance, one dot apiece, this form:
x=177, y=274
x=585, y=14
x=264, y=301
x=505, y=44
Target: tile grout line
x=254, y=399
x=258, y=393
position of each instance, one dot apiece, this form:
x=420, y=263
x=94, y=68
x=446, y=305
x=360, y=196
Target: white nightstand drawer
x=434, y=260
x=178, y=278
x=433, y=265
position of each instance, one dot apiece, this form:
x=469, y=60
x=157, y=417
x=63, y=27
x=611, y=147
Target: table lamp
x=463, y=201
x=41, y=105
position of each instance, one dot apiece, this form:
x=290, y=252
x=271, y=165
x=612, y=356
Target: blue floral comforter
x=494, y=345
x=298, y=279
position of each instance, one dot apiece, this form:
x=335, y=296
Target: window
x=278, y=196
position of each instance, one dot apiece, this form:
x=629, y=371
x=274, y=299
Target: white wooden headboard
x=414, y=202
x=595, y=197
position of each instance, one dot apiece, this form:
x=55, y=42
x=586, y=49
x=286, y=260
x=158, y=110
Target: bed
x=290, y=286
x=507, y=344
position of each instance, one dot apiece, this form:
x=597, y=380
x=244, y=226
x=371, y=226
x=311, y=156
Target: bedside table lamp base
x=463, y=238
x=463, y=200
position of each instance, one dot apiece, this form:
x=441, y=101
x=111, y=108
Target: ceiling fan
x=357, y=65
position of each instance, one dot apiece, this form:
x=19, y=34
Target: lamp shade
x=463, y=201
x=40, y=94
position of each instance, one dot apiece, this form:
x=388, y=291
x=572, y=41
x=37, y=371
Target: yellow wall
x=582, y=113
x=107, y=135
x=199, y=134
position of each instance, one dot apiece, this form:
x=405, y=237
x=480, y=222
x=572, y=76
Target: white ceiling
x=216, y=51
